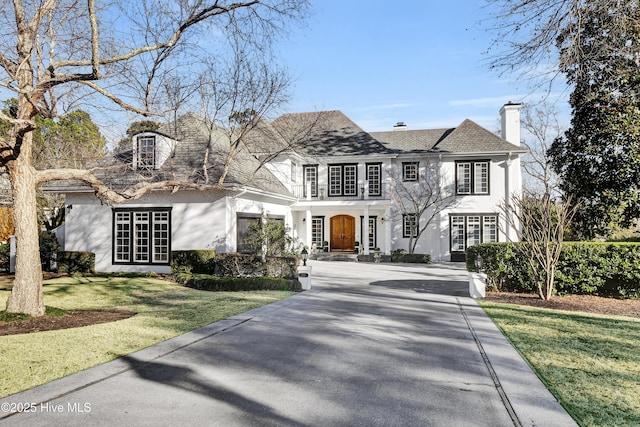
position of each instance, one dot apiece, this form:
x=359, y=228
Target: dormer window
x=146, y=158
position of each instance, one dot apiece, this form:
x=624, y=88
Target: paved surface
x=369, y=345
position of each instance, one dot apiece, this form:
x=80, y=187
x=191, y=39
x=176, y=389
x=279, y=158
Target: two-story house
x=332, y=183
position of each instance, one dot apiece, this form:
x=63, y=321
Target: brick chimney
x=510, y=120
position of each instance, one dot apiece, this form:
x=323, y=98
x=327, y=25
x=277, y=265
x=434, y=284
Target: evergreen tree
x=598, y=158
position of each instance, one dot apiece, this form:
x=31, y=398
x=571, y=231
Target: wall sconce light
x=70, y=207
x=381, y=220
x=304, y=255
x=304, y=220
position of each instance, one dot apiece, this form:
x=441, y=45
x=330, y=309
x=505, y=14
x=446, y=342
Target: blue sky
x=416, y=61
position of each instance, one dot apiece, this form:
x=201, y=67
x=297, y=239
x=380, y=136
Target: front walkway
x=369, y=345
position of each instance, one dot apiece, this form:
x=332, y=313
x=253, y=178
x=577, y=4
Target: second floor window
x=310, y=180
x=146, y=155
x=343, y=180
x=374, y=178
x=409, y=171
x=472, y=177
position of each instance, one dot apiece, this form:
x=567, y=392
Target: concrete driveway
x=369, y=345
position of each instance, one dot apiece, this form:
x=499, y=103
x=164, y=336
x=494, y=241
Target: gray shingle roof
x=192, y=135
x=468, y=137
x=328, y=133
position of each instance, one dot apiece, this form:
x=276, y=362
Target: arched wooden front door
x=343, y=233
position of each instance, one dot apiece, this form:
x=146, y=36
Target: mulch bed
x=74, y=319
x=583, y=303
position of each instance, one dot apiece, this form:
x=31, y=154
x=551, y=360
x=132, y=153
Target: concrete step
x=336, y=256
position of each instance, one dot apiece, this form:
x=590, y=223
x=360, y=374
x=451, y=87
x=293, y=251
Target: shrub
x=4, y=256
x=48, y=249
x=76, y=262
x=606, y=269
x=207, y=282
x=193, y=261
x=412, y=258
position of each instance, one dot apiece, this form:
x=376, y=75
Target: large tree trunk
x=26, y=295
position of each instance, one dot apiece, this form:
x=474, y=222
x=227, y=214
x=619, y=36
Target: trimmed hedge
x=411, y=258
x=606, y=269
x=193, y=261
x=232, y=264
x=76, y=262
x=206, y=282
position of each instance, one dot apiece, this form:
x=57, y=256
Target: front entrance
x=343, y=233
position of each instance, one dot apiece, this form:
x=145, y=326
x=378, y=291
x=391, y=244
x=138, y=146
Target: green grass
x=590, y=363
x=164, y=310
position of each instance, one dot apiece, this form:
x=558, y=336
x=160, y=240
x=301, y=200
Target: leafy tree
x=56, y=53
x=6, y=223
x=598, y=158
x=596, y=46
x=270, y=237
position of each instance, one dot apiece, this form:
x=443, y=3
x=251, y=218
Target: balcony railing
x=321, y=192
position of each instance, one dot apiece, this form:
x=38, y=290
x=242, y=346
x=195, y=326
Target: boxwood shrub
x=193, y=261
x=412, y=258
x=208, y=282
x=606, y=269
x=76, y=262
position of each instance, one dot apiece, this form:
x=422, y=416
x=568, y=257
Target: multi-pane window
x=468, y=230
x=317, y=231
x=472, y=177
x=310, y=180
x=374, y=178
x=146, y=152
x=141, y=236
x=489, y=229
x=473, y=230
x=409, y=225
x=343, y=180
x=122, y=235
x=457, y=234
x=410, y=171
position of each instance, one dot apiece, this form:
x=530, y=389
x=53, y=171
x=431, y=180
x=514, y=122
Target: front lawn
x=591, y=363
x=164, y=310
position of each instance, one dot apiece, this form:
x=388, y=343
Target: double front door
x=343, y=233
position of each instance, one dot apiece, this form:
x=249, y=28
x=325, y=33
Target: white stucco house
x=333, y=185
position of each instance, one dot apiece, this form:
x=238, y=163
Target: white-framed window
x=343, y=180
x=472, y=177
x=141, y=236
x=294, y=171
x=469, y=230
x=310, y=180
x=371, y=231
x=374, y=178
x=410, y=171
x=146, y=152
x=409, y=225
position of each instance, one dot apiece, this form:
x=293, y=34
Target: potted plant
x=356, y=249
x=376, y=254
x=325, y=246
